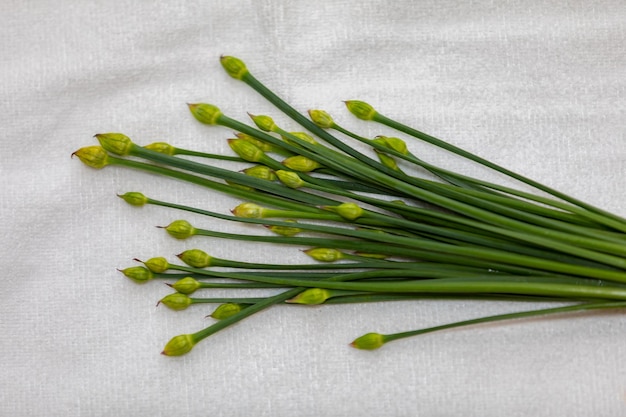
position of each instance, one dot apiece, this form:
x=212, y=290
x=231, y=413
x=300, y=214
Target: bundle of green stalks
x=381, y=227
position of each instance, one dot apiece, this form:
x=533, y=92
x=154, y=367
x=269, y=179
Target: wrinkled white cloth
x=536, y=86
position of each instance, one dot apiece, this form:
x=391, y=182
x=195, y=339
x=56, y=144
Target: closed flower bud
x=324, y=254
x=302, y=136
x=264, y=146
x=180, y=229
x=361, y=109
x=312, y=296
x=249, y=211
x=396, y=144
x=157, y=265
x=285, y=230
x=176, y=301
x=369, y=341
x=161, y=147
x=265, y=123
x=195, y=258
x=349, y=211
x=134, y=198
x=261, y=172
x=235, y=67
x=301, y=163
x=186, y=285
x=179, y=345
x=387, y=161
x=116, y=143
x=289, y=178
x=246, y=150
x=93, y=156
x=139, y=274
x=205, y=113
x=322, y=119
x=224, y=311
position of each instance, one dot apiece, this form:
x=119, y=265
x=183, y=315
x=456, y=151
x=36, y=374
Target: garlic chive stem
x=510, y=316
x=187, y=152
x=429, y=250
x=377, y=117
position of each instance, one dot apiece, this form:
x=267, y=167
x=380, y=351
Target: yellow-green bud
x=93, y=156
x=195, y=258
x=322, y=119
x=161, y=147
x=387, y=160
x=311, y=296
x=179, y=345
x=396, y=144
x=134, y=198
x=361, y=109
x=349, y=211
x=176, y=301
x=369, y=341
x=301, y=163
x=186, y=285
x=261, y=172
x=180, y=229
x=264, y=146
x=235, y=67
x=249, y=211
x=205, y=113
x=300, y=135
x=246, y=150
x=289, y=178
x=116, y=143
x=157, y=265
x=226, y=310
x=139, y=274
x=265, y=123
x=285, y=230
x=325, y=254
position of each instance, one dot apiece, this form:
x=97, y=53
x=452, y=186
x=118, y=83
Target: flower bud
x=93, y=156
x=387, y=161
x=300, y=135
x=195, y=258
x=224, y=311
x=261, y=172
x=325, y=254
x=116, y=143
x=157, y=265
x=139, y=274
x=246, y=150
x=361, y=109
x=322, y=119
x=134, y=198
x=301, y=163
x=311, y=296
x=349, y=211
x=396, y=144
x=235, y=67
x=249, y=211
x=161, y=147
x=289, y=178
x=265, y=123
x=205, y=113
x=186, y=285
x=285, y=230
x=179, y=345
x=176, y=301
x=369, y=341
x=262, y=145
x=180, y=229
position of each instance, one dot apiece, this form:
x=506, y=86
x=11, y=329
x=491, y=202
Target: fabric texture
x=537, y=86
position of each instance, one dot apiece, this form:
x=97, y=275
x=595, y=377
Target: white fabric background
x=537, y=86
